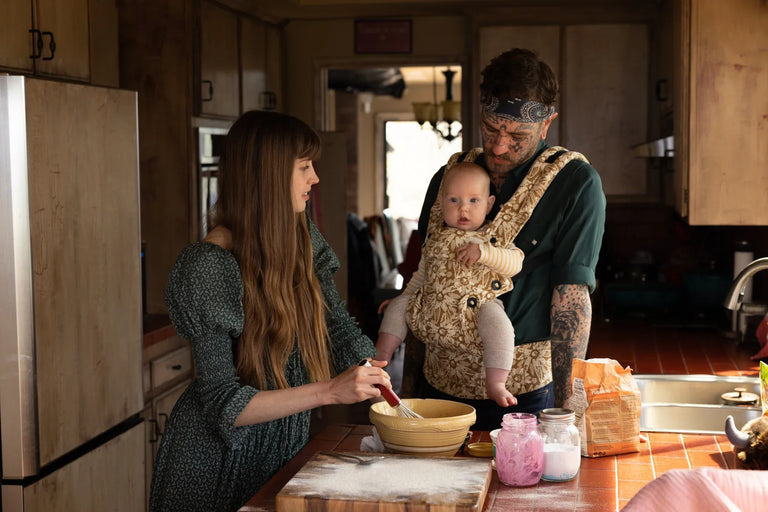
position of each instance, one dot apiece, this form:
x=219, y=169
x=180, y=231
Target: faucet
x=735, y=295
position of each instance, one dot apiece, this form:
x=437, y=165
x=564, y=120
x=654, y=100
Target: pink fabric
x=703, y=490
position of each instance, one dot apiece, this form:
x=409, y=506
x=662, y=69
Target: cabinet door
x=721, y=153
x=15, y=39
x=163, y=405
x=605, y=101
x=111, y=477
x=252, y=62
x=274, y=85
x=84, y=194
x=67, y=21
x=219, y=87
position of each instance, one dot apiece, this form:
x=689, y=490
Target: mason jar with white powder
x=562, y=445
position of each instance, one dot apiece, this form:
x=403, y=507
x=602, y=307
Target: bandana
x=517, y=109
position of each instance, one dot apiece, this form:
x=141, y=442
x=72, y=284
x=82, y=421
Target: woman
x=268, y=330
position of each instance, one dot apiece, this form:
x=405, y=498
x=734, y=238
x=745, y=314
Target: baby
x=465, y=203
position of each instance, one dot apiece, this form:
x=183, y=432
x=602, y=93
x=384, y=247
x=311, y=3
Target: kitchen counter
x=603, y=484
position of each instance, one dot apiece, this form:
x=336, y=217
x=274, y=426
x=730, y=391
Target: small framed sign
x=383, y=36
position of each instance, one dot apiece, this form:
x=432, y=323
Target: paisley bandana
x=518, y=109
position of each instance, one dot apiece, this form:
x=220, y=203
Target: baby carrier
x=443, y=312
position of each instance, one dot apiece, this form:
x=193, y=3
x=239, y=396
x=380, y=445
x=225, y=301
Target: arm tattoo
x=571, y=317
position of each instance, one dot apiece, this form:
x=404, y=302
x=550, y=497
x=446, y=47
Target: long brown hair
x=282, y=299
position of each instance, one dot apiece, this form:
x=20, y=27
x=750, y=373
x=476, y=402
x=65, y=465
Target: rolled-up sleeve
x=581, y=231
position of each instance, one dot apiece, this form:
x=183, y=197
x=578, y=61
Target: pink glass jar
x=519, y=450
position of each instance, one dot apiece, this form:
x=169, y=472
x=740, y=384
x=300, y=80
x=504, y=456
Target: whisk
x=393, y=400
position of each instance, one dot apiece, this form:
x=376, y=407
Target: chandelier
x=443, y=117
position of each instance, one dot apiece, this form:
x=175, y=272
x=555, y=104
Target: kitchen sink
x=693, y=403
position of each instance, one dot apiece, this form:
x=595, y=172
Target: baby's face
x=466, y=201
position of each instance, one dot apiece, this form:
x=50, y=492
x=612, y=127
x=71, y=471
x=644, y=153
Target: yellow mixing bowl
x=440, y=433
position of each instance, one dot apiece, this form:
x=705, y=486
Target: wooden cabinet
x=721, y=129
x=603, y=70
x=253, y=59
x=168, y=370
x=46, y=37
x=15, y=39
x=82, y=158
x=166, y=48
x=219, y=75
x=70, y=39
x=239, y=62
x=260, y=64
x=81, y=485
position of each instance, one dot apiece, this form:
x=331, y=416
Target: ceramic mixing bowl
x=441, y=432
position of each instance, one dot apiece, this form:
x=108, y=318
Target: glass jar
x=562, y=445
x=519, y=450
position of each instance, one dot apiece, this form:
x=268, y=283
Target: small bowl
x=440, y=433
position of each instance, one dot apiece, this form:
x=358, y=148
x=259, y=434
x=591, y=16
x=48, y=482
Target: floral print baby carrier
x=443, y=312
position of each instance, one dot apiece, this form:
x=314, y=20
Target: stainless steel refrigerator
x=70, y=298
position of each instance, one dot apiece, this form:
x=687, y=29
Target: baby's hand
x=468, y=254
x=498, y=393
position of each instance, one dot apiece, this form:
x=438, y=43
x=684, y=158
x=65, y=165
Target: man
x=550, y=305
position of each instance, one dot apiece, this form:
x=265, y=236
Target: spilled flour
x=393, y=479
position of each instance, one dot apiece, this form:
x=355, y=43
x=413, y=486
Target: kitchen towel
x=695, y=490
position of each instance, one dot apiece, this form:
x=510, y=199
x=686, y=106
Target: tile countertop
x=603, y=484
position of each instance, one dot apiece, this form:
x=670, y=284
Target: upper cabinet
x=253, y=57
x=46, y=37
x=219, y=74
x=66, y=39
x=239, y=62
x=604, y=76
x=721, y=127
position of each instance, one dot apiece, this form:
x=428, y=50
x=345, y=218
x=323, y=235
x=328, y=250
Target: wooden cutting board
x=392, y=484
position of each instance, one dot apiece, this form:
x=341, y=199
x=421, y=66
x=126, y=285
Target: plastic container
x=519, y=450
x=562, y=445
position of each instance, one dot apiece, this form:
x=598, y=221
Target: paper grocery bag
x=606, y=400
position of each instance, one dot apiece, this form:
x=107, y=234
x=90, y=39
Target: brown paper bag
x=606, y=400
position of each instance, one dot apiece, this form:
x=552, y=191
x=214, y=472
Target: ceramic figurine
x=751, y=442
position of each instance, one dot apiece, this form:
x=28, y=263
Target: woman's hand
x=358, y=383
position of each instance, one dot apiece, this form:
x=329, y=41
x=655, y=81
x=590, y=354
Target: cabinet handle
x=155, y=431
x=176, y=367
x=210, y=90
x=37, y=44
x=51, y=45
x=268, y=100
x=164, y=417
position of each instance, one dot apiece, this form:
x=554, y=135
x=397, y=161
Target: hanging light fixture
x=444, y=117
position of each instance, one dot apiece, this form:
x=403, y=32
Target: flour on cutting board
x=432, y=480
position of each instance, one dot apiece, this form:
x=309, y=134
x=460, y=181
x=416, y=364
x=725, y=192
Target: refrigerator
x=70, y=298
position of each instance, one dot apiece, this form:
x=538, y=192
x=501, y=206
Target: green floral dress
x=204, y=462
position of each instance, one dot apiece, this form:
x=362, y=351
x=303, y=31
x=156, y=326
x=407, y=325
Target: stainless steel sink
x=692, y=403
